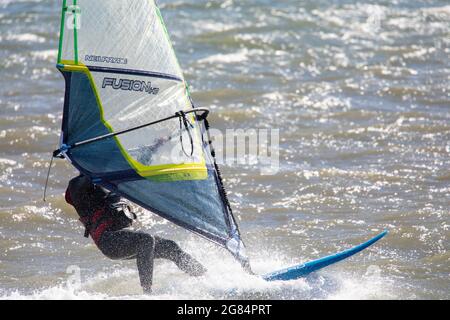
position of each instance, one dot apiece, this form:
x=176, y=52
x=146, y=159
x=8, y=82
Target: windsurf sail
x=129, y=122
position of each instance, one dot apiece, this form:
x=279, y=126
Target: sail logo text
x=130, y=85
x=105, y=59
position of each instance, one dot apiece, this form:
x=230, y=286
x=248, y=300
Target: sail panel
x=119, y=34
x=195, y=204
x=121, y=72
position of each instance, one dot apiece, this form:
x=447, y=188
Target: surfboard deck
x=302, y=270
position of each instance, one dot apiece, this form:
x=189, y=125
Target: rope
x=48, y=178
x=188, y=126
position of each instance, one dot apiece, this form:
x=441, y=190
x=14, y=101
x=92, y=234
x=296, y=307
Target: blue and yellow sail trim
x=168, y=172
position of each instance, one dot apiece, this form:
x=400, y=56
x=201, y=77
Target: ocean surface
x=360, y=91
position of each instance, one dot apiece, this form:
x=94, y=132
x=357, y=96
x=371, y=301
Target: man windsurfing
x=128, y=122
x=108, y=218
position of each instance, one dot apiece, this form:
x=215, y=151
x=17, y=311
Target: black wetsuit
x=106, y=218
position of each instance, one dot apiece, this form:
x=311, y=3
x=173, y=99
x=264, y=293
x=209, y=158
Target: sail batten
x=130, y=72
x=122, y=77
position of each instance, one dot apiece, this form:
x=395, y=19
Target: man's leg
x=143, y=247
x=127, y=244
x=168, y=249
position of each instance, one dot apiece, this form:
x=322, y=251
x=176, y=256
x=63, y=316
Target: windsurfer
x=107, y=218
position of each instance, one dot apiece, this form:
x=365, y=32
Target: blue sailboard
x=305, y=269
